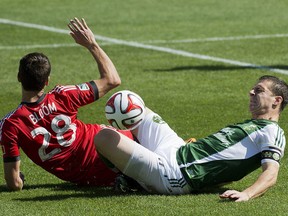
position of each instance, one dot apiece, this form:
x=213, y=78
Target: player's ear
x=277, y=102
x=47, y=81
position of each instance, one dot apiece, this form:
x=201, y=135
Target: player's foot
x=125, y=184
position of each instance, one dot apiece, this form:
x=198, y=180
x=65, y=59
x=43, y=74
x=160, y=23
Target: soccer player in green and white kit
x=165, y=164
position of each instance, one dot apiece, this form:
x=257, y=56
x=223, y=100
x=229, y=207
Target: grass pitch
x=183, y=57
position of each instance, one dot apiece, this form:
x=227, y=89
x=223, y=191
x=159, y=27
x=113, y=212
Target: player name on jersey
x=44, y=110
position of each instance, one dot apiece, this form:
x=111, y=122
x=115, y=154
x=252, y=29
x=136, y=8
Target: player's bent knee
x=106, y=139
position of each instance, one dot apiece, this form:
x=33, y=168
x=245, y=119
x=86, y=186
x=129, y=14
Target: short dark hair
x=278, y=88
x=34, y=70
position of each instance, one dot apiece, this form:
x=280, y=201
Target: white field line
x=149, y=47
x=34, y=46
x=197, y=40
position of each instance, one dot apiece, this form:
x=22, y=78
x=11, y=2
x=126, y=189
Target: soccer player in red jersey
x=45, y=125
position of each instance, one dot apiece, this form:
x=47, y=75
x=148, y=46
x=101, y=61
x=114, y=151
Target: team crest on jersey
x=250, y=127
x=158, y=119
x=83, y=87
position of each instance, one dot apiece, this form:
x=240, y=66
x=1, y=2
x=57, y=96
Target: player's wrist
x=248, y=195
x=93, y=46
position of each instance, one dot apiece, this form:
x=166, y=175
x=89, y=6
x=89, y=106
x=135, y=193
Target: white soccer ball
x=125, y=110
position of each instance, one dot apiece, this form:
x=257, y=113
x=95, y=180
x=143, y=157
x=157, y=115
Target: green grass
x=196, y=97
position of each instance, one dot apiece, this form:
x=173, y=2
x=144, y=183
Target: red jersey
x=50, y=134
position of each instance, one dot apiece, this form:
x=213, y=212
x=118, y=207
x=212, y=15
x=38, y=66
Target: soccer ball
x=125, y=110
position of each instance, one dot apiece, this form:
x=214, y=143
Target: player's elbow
x=272, y=177
x=105, y=85
x=273, y=180
x=113, y=83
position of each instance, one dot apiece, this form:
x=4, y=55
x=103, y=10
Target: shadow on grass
x=68, y=191
x=219, y=68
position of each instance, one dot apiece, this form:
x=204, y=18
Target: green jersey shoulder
x=231, y=153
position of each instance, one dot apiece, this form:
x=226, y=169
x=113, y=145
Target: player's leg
x=115, y=147
x=132, y=159
x=156, y=135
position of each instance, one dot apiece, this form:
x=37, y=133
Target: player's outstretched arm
x=267, y=179
x=83, y=35
x=13, y=177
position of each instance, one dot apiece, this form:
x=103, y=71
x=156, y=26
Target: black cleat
x=125, y=184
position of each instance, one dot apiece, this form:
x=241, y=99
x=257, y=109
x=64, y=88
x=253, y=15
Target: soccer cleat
x=125, y=184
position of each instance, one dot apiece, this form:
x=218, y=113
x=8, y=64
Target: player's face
x=261, y=98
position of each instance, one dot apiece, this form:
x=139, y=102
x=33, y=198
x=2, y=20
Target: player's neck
x=31, y=96
x=271, y=117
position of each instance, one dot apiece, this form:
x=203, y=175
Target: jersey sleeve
x=272, y=144
x=75, y=96
x=9, y=143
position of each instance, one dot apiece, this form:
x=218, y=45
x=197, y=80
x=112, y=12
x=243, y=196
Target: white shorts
x=153, y=163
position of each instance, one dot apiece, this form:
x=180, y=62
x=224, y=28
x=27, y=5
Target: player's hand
x=235, y=195
x=81, y=33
